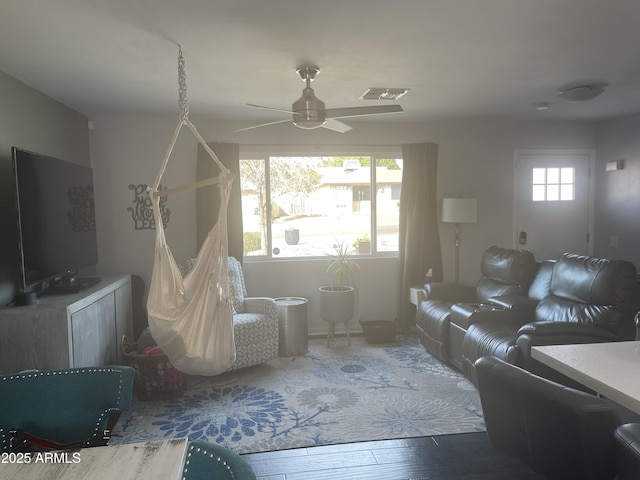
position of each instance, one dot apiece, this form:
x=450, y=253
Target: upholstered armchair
x=560, y=432
x=255, y=320
x=627, y=438
x=68, y=408
x=209, y=461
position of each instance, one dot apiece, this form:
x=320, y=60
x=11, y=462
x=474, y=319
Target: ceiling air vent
x=383, y=93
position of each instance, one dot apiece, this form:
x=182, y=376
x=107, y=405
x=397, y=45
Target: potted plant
x=363, y=244
x=337, y=300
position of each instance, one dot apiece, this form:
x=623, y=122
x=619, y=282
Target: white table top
x=610, y=369
x=136, y=461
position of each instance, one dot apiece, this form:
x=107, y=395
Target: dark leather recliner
x=628, y=452
x=504, y=272
x=506, y=311
x=589, y=300
x=562, y=433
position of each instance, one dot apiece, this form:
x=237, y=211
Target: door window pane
x=553, y=184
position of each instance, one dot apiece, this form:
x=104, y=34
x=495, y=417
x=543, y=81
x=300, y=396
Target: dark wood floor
x=467, y=456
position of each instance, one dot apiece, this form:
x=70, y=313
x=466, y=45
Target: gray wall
x=32, y=121
x=618, y=192
x=476, y=158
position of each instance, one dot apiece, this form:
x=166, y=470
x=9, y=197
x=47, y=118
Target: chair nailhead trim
x=73, y=371
x=210, y=455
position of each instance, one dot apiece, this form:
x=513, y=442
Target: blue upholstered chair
x=255, y=320
x=64, y=407
x=208, y=461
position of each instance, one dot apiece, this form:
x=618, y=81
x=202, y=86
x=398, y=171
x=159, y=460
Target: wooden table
x=610, y=369
x=136, y=461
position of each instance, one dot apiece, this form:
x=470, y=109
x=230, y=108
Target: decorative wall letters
x=142, y=213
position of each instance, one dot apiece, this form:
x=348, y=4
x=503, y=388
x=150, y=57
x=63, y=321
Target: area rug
x=328, y=396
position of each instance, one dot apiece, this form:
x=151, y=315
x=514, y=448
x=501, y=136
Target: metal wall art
x=142, y=211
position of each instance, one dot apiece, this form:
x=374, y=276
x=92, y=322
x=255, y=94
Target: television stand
x=70, y=285
x=68, y=331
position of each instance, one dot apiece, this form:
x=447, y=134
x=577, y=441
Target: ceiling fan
x=309, y=111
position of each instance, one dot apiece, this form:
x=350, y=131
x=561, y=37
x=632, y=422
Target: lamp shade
x=459, y=210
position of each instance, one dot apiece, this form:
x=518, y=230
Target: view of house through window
x=302, y=206
x=552, y=184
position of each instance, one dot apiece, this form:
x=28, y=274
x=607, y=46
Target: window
x=301, y=206
x=553, y=184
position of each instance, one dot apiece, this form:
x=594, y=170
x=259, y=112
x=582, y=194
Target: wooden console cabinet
x=72, y=330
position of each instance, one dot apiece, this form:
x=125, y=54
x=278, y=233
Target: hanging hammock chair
x=191, y=318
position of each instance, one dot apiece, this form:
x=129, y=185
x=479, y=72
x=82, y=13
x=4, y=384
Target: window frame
x=375, y=152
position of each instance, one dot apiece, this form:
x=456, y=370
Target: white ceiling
x=460, y=58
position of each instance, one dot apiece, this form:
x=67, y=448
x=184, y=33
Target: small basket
x=379, y=331
x=156, y=378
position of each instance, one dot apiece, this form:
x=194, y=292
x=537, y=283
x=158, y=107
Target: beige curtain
x=419, y=248
x=207, y=199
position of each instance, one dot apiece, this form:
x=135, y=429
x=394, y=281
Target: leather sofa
x=504, y=272
x=576, y=299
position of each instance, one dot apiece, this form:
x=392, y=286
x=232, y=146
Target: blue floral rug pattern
x=328, y=396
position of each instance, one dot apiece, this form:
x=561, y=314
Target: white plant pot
x=337, y=306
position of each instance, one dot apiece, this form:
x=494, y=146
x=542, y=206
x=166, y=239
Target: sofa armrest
x=559, y=333
x=450, y=292
x=569, y=330
x=466, y=314
x=264, y=305
x=514, y=302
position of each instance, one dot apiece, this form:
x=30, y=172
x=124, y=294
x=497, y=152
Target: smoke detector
x=383, y=93
x=541, y=106
x=581, y=92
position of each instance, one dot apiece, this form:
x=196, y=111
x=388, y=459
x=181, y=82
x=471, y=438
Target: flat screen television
x=56, y=222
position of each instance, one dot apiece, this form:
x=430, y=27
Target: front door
x=553, y=197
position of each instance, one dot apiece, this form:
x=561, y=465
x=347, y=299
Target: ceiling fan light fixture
x=308, y=110
x=383, y=93
x=308, y=124
x=581, y=93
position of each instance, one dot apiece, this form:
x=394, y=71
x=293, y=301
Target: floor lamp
x=459, y=210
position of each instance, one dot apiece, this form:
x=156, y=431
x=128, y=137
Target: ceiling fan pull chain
x=182, y=88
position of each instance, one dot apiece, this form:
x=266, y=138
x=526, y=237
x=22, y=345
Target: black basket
x=379, y=331
x=156, y=378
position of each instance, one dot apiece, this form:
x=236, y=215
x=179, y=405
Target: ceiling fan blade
x=358, y=111
x=336, y=126
x=270, y=108
x=262, y=125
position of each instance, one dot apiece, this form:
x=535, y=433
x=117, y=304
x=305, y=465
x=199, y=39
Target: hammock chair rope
x=191, y=318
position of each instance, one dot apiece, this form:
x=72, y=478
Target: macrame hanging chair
x=191, y=318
